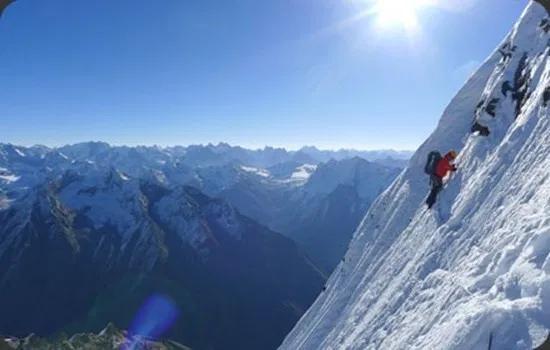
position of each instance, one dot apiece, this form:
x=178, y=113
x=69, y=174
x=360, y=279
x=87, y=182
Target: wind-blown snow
x=480, y=262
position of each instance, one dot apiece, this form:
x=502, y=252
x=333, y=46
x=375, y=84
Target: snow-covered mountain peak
x=479, y=263
x=353, y=171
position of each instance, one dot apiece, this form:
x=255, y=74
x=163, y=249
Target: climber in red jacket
x=443, y=167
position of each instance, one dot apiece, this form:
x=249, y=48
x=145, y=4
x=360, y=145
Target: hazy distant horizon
x=185, y=145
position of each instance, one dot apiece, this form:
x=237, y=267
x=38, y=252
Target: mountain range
x=88, y=232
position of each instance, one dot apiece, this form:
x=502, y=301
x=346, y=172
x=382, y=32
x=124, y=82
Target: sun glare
x=404, y=13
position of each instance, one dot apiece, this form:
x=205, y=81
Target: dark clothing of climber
x=443, y=168
x=437, y=186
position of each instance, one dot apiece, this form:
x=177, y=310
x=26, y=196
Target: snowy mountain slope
x=480, y=262
x=324, y=213
x=300, y=200
x=369, y=178
x=219, y=165
x=90, y=246
x=317, y=206
x=381, y=156
x=127, y=158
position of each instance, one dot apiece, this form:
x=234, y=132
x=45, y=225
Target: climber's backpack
x=433, y=158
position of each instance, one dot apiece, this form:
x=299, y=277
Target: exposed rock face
x=109, y=338
x=93, y=245
x=545, y=346
x=545, y=3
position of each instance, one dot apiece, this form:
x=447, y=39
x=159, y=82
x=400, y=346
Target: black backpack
x=433, y=158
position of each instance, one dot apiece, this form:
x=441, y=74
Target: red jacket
x=444, y=166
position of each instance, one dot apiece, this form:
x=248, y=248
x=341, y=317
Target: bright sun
x=390, y=13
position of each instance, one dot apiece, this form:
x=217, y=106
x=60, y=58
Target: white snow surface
x=256, y=171
x=19, y=152
x=107, y=199
x=303, y=172
x=477, y=264
x=9, y=177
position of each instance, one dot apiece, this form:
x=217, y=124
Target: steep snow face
x=477, y=264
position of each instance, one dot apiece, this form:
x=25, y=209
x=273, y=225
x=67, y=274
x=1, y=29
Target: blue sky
x=248, y=72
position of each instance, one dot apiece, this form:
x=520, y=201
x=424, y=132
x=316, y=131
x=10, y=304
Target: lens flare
x=153, y=319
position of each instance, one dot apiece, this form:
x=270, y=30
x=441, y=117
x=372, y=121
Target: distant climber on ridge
x=438, y=168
